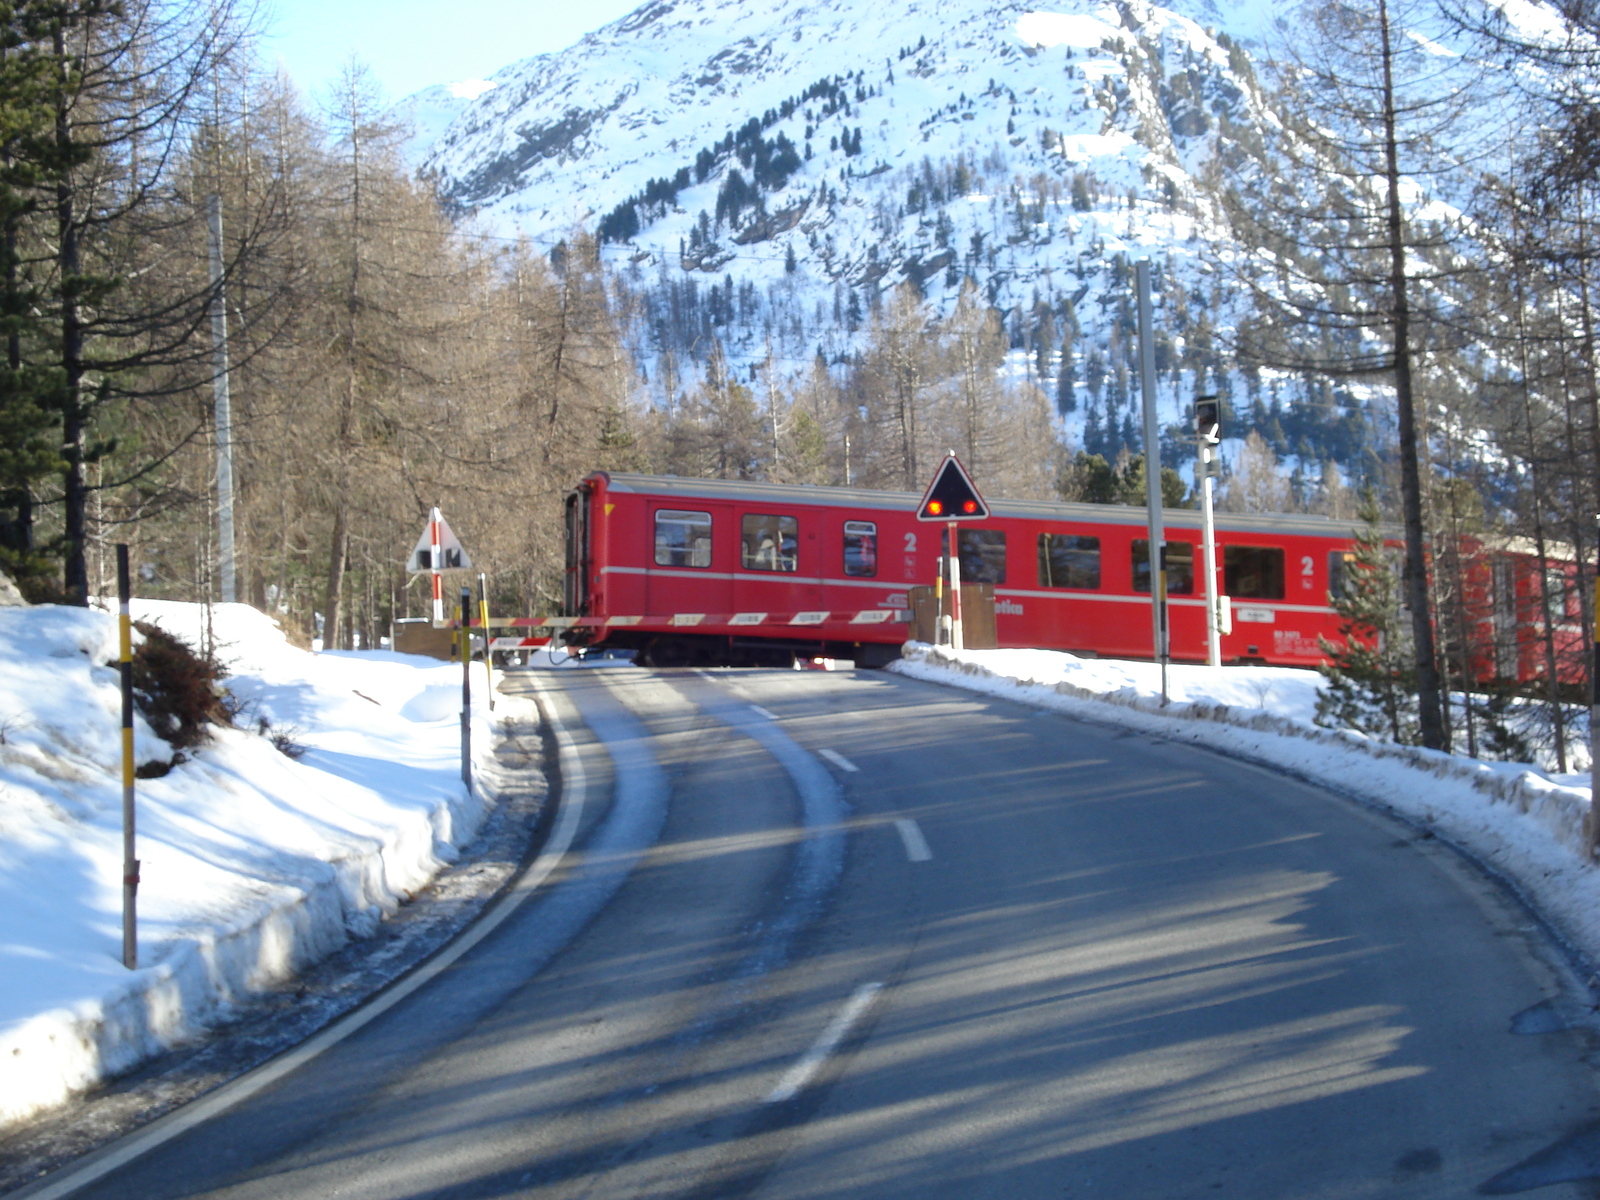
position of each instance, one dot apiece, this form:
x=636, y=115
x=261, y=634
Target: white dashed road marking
x=916, y=845
x=838, y=760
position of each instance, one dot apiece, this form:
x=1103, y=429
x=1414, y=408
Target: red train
x=702, y=571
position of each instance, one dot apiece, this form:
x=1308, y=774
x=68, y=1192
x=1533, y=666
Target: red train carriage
x=702, y=571
x=1516, y=611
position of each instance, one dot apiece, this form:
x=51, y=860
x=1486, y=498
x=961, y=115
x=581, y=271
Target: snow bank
x=1513, y=818
x=254, y=864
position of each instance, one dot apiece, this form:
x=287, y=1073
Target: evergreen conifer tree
x=1370, y=687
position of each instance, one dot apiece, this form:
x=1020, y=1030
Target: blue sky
x=410, y=44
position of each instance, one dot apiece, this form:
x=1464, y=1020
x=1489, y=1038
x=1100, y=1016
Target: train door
x=694, y=547
x=575, y=583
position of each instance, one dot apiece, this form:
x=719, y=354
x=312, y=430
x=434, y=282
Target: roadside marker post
x=466, y=686
x=952, y=497
x=130, y=864
x=1594, y=703
x=483, y=619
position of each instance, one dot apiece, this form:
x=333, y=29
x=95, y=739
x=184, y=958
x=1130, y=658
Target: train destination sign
x=952, y=496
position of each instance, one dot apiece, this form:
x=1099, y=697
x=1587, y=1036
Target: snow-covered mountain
x=766, y=174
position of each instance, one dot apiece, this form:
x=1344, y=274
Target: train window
x=1339, y=566
x=982, y=553
x=1180, y=567
x=1252, y=572
x=683, y=539
x=1067, y=560
x=769, y=543
x=860, y=548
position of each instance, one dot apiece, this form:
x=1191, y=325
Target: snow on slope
x=1520, y=822
x=1024, y=147
x=253, y=864
x=1018, y=147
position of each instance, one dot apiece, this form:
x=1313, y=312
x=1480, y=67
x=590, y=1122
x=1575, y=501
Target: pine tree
x=1369, y=680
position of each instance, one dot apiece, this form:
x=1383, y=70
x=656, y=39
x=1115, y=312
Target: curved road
x=829, y=935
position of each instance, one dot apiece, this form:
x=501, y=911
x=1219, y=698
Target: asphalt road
x=829, y=935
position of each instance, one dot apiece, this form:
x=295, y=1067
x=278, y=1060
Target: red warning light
x=951, y=496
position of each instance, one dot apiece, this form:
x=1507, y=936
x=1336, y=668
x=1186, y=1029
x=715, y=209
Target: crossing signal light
x=1208, y=418
x=952, y=496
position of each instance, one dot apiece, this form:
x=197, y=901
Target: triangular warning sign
x=952, y=496
x=437, y=532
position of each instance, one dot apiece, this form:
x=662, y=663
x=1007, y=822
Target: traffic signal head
x=1208, y=418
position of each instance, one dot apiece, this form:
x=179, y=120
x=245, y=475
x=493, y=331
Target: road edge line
x=807, y=1066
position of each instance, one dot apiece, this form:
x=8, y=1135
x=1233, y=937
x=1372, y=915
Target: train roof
x=1038, y=510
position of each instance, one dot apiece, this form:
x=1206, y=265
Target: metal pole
x=130, y=864
x=223, y=404
x=1209, y=536
x=483, y=619
x=957, y=637
x=1152, y=469
x=433, y=565
x=466, y=687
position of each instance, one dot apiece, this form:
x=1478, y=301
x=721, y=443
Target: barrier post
x=466, y=687
x=130, y=864
x=957, y=640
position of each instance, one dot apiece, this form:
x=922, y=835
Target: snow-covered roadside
x=1511, y=817
x=253, y=864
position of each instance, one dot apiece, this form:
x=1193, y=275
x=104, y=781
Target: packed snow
x=253, y=863
x=1515, y=819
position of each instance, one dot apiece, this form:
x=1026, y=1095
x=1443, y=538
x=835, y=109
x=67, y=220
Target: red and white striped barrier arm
x=744, y=620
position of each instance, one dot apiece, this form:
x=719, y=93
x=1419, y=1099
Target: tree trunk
x=74, y=418
x=337, y=553
x=1416, y=563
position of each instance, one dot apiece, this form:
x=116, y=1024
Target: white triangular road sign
x=437, y=532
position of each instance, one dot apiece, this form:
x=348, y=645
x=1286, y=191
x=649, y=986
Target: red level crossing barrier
x=744, y=620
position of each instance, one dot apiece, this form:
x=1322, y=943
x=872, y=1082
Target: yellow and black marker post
x=1594, y=701
x=466, y=687
x=483, y=619
x=130, y=864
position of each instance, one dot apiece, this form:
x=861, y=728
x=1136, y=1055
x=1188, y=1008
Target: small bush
x=177, y=689
x=284, y=741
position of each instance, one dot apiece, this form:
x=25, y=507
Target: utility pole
x=223, y=404
x=1152, y=474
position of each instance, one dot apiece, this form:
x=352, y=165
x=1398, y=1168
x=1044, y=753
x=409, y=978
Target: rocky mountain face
x=765, y=175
